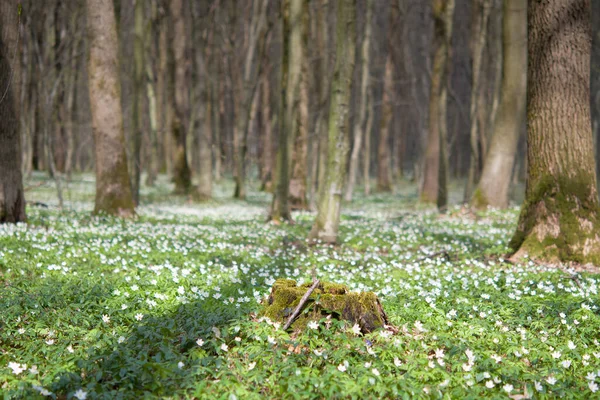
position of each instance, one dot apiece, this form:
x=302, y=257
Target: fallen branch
x=301, y=304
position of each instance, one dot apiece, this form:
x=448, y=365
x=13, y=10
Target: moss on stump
x=328, y=298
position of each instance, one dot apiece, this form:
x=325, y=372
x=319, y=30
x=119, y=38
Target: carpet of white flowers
x=165, y=306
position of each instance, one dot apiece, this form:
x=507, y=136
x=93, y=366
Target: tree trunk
x=495, y=180
x=291, y=13
x=481, y=12
x=361, y=121
x=204, y=191
x=138, y=99
x=323, y=80
x=559, y=219
x=367, y=152
x=442, y=13
x=266, y=171
x=113, y=191
x=12, y=200
x=298, y=103
x=327, y=221
x=595, y=78
x=155, y=104
x=384, y=171
x=179, y=96
x=248, y=84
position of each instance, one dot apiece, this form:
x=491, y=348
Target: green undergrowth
x=168, y=305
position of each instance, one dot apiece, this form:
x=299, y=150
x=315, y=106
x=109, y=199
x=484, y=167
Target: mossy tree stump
x=327, y=299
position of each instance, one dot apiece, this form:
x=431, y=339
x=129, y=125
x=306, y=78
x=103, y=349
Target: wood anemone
x=327, y=299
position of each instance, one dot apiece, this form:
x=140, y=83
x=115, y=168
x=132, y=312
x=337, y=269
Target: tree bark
x=495, y=180
x=327, y=221
x=12, y=200
x=113, y=190
x=361, y=121
x=443, y=11
x=595, y=78
x=559, y=219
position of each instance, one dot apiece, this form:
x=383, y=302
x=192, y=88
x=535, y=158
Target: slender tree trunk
x=298, y=104
x=71, y=88
x=266, y=173
x=153, y=110
x=138, y=98
x=218, y=127
x=559, y=219
x=256, y=38
x=327, y=221
x=323, y=79
x=205, y=175
x=150, y=44
x=384, y=172
x=367, y=152
x=12, y=200
x=155, y=104
x=495, y=180
x=291, y=13
x=361, y=121
x=481, y=11
x=443, y=11
x=179, y=95
x=164, y=98
x=113, y=190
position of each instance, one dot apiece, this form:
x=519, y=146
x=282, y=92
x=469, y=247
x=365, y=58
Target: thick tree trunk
x=443, y=11
x=298, y=103
x=595, y=78
x=12, y=200
x=495, y=180
x=384, y=171
x=113, y=191
x=481, y=12
x=179, y=95
x=361, y=121
x=327, y=221
x=560, y=218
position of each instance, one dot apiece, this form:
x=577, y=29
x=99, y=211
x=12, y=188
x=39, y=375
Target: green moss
x=479, y=201
x=327, y=299
x=559, y=221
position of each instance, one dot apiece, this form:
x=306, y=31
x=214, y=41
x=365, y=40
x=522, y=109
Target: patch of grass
x=164, y=306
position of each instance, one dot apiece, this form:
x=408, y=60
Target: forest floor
x=164, y=306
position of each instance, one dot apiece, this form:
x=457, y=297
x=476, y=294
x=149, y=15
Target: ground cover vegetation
x=168, y=304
